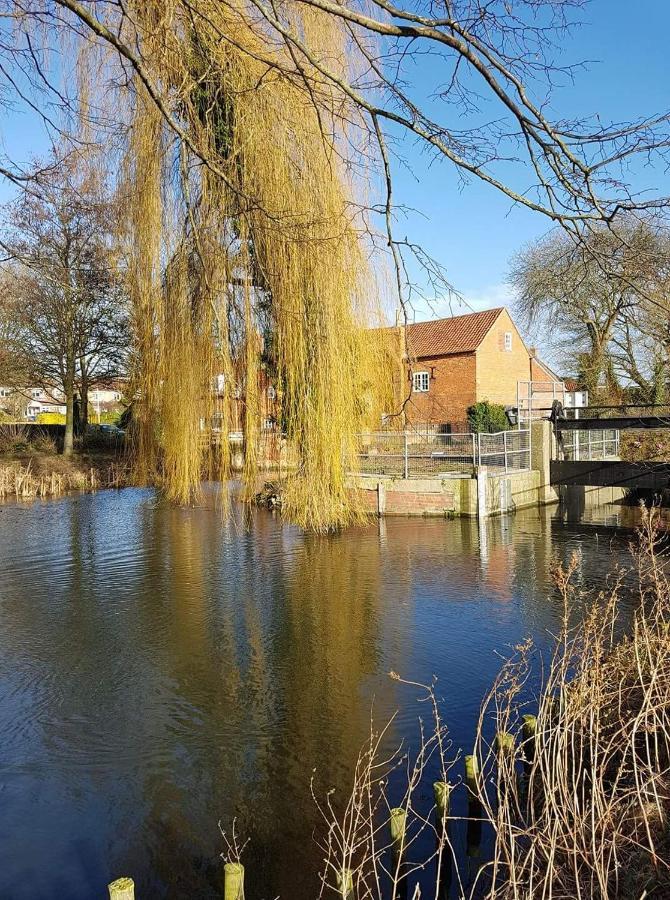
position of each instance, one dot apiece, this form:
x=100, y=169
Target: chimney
x=532, y=352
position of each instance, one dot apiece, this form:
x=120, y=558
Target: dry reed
x=23, y=483
x=577, y=810
x=582, y=811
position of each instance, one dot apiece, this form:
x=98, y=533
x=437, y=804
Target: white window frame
x=420, y=382
x=507, y=342
x=36, y=393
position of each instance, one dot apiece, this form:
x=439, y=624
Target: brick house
x=455, y=362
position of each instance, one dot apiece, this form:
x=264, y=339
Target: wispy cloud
x=474, y=300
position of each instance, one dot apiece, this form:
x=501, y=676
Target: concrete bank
x=483, y=494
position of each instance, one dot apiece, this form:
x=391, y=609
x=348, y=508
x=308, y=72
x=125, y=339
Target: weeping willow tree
x=256, y=257
x=250, y=125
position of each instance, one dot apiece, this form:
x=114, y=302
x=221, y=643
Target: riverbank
x=25, y=476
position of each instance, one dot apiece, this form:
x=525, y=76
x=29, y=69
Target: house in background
x=27, y=403
x=105, y=397
x=456, y=362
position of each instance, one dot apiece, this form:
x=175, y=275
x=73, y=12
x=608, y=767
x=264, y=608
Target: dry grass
x=582, y=812
x=14, y=437
x=26, y=482
x=579, y=810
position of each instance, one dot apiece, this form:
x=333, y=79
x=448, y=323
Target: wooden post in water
x=233, y=887
x=122, y=889
x=473, y=837
x=529, y=732
x=472, y=776
x=474, y=829
x=529, y=726
x=441, y=790
x=398, y=824
x=504, y=742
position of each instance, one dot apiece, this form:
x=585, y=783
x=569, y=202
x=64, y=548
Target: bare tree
x=12, y=369
x=67, y=311
x=492, y=64
x=641, y=340
x=601, y=301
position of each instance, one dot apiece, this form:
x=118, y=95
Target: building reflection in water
x=163, y=670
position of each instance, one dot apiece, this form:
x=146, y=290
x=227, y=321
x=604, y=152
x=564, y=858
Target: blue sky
x=472, y=230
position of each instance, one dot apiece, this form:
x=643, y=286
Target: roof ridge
x=454, y=334
x=474, y=312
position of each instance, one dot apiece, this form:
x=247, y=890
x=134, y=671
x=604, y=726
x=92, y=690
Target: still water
x=163, y=671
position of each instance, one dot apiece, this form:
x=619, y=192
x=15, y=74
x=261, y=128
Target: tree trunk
x=68, y=441
x=590, y=365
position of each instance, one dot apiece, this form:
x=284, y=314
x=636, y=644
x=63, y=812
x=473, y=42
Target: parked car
x=112, y=430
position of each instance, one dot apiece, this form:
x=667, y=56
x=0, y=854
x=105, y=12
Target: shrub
x=13, y=438
x=487, y=417
x=44, y=443
x=109, y=417
x=644, y=446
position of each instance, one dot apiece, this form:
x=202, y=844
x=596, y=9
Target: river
x=163, y=670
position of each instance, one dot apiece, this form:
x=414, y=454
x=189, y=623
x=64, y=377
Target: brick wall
x=410, y=502
x=451, y=389
x=538, y=372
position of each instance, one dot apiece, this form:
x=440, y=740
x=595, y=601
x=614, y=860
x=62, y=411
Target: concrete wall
x=542, y=449
x=517, y=490
x=576, y=498
x=419, y=497
x=449, y=496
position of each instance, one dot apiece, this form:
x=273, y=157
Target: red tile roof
x=457, y=334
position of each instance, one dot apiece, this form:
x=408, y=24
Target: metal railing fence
x=589, y=445
x=414, y=454
x=505, y=451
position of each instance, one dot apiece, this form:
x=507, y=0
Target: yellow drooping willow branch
x=248, y=262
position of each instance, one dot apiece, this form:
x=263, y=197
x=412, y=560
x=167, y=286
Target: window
x=420, y=382
x=36, y=392
x=508, y=340
x=5, y=392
